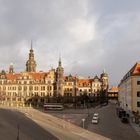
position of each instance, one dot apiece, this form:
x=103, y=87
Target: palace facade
x=17, y=88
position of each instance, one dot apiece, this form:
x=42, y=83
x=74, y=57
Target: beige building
x=18, y=88
x=129, y=89
x=74, y=86
x=70, y=86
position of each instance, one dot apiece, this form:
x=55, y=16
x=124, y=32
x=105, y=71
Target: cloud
x=82, y=30
x=90, y=35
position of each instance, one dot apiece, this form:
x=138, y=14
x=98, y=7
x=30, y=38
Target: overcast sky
x=91, y=35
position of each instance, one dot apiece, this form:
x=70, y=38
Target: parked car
x=121, y=113
x=104, y=104
x=96, y=115
x=95, y=120
x=125, y=119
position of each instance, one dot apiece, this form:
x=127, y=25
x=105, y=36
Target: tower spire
x=60, y=60
x=31, y=45
x=104, y=70
x=31, y=64
x=11, y=68
x=59, y=78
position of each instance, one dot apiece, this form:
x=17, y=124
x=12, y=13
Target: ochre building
x=18, y=88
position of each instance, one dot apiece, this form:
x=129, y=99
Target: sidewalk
x=133, y=124
x=62, y=129
x=136, y=127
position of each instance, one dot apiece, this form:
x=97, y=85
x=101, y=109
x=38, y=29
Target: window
x=25, y=88
x=69, y=84
x=19, y=88
x=138, y=93
x=43, y=88
x=42, y=94
x=35, y=88
x=30, y=88
x=138, y=104
x=138, y=82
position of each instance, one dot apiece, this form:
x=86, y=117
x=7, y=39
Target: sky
x=90, y=35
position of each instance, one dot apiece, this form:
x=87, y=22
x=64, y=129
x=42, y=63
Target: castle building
x=18, y=88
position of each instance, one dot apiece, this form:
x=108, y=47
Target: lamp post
x=83, y=120
x=18, y=132
x=75, y=90
x=88, y=107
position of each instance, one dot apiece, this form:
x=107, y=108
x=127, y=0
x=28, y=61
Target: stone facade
x=18, y=88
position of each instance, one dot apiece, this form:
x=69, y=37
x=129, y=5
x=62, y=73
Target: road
x=28, y=130
x=111, y=126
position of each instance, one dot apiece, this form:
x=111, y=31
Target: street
x=52, y=128
x=11, y=120
x=110, y=125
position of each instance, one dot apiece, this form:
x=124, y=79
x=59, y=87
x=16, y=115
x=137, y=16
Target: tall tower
x=59, y=79
x=31, y=64
x=11, y=68
x=104, y=80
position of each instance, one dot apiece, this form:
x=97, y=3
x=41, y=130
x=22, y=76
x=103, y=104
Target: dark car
x=104, y=104
x=125, y=120
x=121, y=113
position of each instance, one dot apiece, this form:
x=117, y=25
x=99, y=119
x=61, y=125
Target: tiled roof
x=38, y=75
x=135, y=70
x=12, y=76
x=113, y=89
x=84, y=82
x=34, y=75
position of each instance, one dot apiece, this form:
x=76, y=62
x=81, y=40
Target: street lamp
x=18, y=132
x=83, y=120
x=88, y=107
x=75, y=91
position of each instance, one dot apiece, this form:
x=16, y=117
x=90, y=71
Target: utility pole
x=75, y=90
x=18, y=132
x=83, y=120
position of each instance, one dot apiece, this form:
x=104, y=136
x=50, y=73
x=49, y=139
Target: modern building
x=129, y=89
x=18, y=88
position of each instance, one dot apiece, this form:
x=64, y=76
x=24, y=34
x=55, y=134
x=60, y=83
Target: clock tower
x=31, y=63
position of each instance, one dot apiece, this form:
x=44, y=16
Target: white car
x=95, y=120
x=96, y=115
